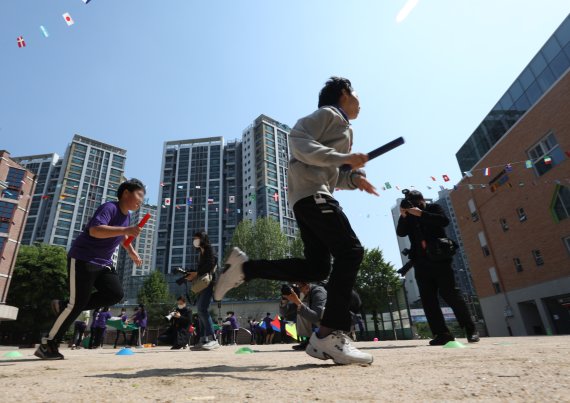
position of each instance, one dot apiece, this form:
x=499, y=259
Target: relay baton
x=379, y=151
x=140, y=225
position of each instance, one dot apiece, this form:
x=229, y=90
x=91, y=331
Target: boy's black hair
x=181, y=298
x=131, y=185
x=331, y=92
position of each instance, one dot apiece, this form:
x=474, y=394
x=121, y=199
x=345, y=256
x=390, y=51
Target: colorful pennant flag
x=528, y=163
x=21, y=42
x=508, y=168
x=433, y=178
x=388, y=186
x=487, y=171
x=68, y=20
x=161, y=184
x=167, y=201
x=210, y=201
x=445, y=178
x=198, y=187
x=429, y=187
x=180, y=187
x=189, y=202
x=44, y=31
x=276, y=196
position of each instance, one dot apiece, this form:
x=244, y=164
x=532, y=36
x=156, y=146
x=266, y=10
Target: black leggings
x=82, y=278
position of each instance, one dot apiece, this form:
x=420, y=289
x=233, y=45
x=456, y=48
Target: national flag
x=388, y=186
x=487, y=171
x=232, y=199
x=429, y=187
x=210, y=201
x=433, y=178
x=508, y=168
x=68, y=20
x=44, y=31
x=163, y=206
x=469, y=174
x=198, y=187
x=528, y=163
x=547, y=160
x=180, y=187
x=238, y=211
x=521, y=184
x=397, y=187
x=86, y=1
x=217, y=210
x=161, y=184
x=167, y=201
x=189, y=202
x=21, y=42
x=45, y=197
x=177, y=207
x=471, y=187
x=445, y=178
x=276, y=196
x=383, y=187
x=203, y=208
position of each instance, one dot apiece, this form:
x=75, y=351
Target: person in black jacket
x=424, y=223
x=177, y=334
x=207, y=263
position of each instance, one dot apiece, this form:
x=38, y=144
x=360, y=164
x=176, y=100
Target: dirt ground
x=522, y=369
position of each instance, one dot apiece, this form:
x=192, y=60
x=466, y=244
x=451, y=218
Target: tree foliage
x=156, y=297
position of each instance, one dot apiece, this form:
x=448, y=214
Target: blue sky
x=136, y=73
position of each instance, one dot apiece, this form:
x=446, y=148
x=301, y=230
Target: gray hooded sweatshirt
x=318, y=144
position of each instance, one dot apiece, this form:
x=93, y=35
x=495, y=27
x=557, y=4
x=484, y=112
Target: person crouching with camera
x=177, y=334
x=203, y=280
x=431, y=253
x=310, y=305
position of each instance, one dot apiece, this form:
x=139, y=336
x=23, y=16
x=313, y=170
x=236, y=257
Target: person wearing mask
x=177, y=333
x=207, y=263
x=125, y=321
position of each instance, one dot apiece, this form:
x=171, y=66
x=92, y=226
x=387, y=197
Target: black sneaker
x=302, y=346
x=441, y=339
x=472, y=335
x=48, y=351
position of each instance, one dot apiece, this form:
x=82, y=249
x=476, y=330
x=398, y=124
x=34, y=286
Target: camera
x=286, y=289
x=406, y=252
x=411, y=199
x=182, y=279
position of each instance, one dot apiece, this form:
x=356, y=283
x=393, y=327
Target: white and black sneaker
x=48, y=350
x=337, y=346
x=211, y=345
x=232, y=276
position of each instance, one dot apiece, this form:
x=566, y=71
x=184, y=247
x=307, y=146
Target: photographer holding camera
x=177, y=334
x=310, y=305
x=203, y=280
x=431, y=253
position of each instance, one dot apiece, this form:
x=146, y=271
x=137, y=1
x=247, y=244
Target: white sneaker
x=232, y=276
x=337, y=346
x=211, y=345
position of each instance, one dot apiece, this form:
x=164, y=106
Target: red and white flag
x=167, y=201
x=446, y=178
x=69, y=21
x=21, y=42
x=276, y=196
x=210, y=201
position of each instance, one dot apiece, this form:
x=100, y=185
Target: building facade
x=233, y=195
x=549, y=64
x=17, y=186
x=514, y=209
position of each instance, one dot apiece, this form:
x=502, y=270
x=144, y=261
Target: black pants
x=325, y=231
x=82, y=277
x=438, y=280
x=98, y=337
x=78, y=330
x=119, y=332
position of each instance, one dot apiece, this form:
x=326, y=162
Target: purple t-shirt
x=96, y=250
x=102, y=318
x=140, y=318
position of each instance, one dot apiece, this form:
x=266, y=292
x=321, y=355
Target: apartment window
x=537, y=257
x=495, y=280
x=561, y=204
x=521, y=214
x=483, y=242
x=504, y=224
x=518, y=265
x=473, y=210
x=547, y=147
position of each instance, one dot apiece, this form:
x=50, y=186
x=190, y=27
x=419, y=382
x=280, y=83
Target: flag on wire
x=210, y=201
x=167, y=201
x=445, y=178
x=68, y=20
x=180, y=187
x=21, y=42
x=508, y=168
x=471, y=187
x=198, y=187
x=276, y=196
x=429, y=187
x=528, y=163
x=44, y=31
x=469, y=174
x=442, y=187
x=433, y=178
x=388, y=186
x=547, y=160
x=86, y=1
x=232, y=199
x=189, y=202
x=487, y=171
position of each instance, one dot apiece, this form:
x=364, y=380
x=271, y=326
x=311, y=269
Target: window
x=537, y=257
x=521, y=213
x=3, y=241
x=518, y=265
x=546, y=154
x=6, y=214
x=473, y=210
x=560, y=207
x=495, y=280
x=504, y=224
x=483, y=242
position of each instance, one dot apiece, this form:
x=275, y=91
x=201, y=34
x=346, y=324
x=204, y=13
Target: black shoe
x=49, y=351
x=175, y=347
x=441, y=339
x=472, y=335
x=302, y=346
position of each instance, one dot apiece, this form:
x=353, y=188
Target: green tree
x=260, y=240
x=296, y=247
x=158, y=301
x=39, y=276
x=374, y=279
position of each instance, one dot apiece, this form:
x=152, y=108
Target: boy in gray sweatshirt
x=320, y=144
